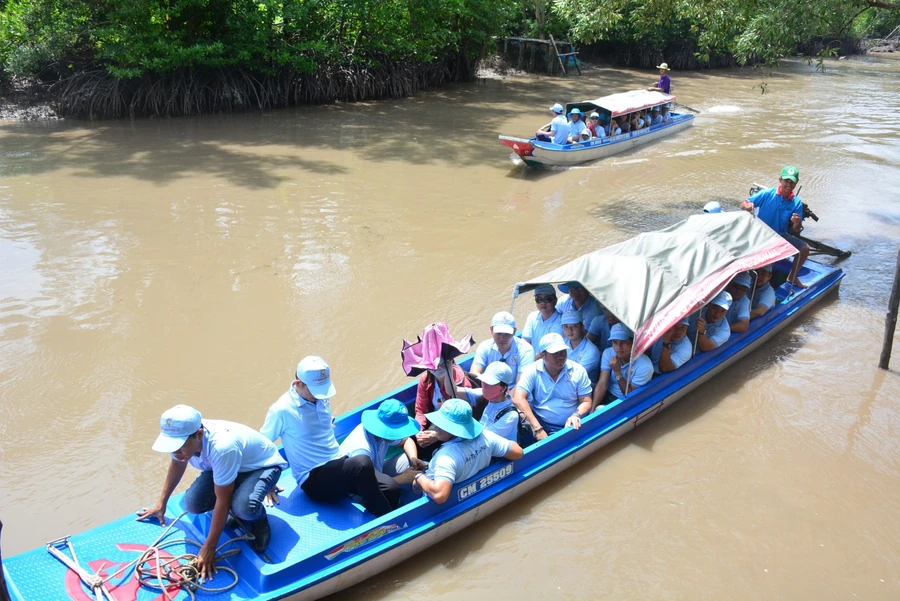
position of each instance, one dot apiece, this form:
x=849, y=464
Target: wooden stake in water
x=890, y=320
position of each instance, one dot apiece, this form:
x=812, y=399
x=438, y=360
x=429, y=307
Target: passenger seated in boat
x=598, y=331
x=553, y=393
x=625, y=124
x=301, y=418
x=655, y=117
x=498, y=414
x=711, y=329
x=581, y=350
x=503, y=346
x=664, y=113
x=576, y=298
x=672, y=350
x=434, y=388
x=576, y=126
x=738, y=315
x=546, y=319
x=466, y=450
x=596, y=126
x=388, y=426
x=616, y=365
x=238, y=467
x=614, y=129
x=557, y=131
x=636, y=121
x=764, y=296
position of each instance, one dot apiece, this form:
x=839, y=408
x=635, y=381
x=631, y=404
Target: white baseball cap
x=552, y=343
x=723, y=299
x=503, y=323
x=315, y=373
x=176, y=425
x=498, y=372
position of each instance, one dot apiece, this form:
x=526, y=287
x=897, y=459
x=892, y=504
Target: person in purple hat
x=238, y=467
x=738, y=315
x=301, y=418
x=466, y=450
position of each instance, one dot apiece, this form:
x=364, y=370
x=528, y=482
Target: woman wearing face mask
x=493, y=398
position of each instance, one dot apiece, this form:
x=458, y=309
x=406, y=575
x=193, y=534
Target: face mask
x=492, y=392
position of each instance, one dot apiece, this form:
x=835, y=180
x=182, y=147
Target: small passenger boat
x=650, y=281
x=537, y=153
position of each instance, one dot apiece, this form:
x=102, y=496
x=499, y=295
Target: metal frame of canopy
x=652, y=281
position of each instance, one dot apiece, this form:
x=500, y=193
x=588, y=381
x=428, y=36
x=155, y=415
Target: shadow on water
x=687, y=410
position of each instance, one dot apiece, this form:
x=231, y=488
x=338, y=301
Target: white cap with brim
x=723, y=299
x=742, y=279
x=315, y=373
x=620, y=332
x=176, y=425
x=552, y=343
x=391, y=421
x=496, y=373
x=455, y=417
x=503, y=323
x=557, y=108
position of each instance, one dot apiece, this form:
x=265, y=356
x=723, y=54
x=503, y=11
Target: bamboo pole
x=890, y=320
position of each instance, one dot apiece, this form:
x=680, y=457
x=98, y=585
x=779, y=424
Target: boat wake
x=724, y=109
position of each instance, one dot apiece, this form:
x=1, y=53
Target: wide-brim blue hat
x=455, y=417
x=390, y=421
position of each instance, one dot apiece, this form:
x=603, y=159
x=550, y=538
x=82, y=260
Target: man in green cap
x=783, y=212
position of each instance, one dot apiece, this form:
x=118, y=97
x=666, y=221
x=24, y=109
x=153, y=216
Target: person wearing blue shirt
x=655, y=118
x=576, y=298
x=710, y=328
x=738, y=315
x=764, y=296
x=576, y=126
x=673, y=349
x=581, y=350
x=302, y=419
x=782, y=211
x=546, y=319
x=664, y=113
x=619, y=374
x=558, y=128
x=500, y=415
x=503, y=346
x=554, y=392
x=598, y=331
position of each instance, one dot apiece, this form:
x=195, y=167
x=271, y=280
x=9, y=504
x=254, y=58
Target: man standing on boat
x=558, y=128
x=302, y=419
x=503, y=346
x=553, y=393
x=620, y=374
x=782, y=211
x=664, y=84
x=238, y=467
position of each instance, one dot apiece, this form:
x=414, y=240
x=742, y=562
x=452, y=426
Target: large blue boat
x=320, y=549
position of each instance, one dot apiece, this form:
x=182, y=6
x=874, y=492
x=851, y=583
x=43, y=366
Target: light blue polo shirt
x=362, y=442
x=679, y=353
x=536, y=327
x=559, y=127
x=740, y=309
x=459, y=459
x=553, y=402
x=305, y=430
x=589, y=310
x=642, y=372
x=774, y=210
x=600, y=329
x=587, y=355
x=508, y=424
x=519, y=355
x=765, y=295
x=718, y=332
x=575, y=128
x=229, y=449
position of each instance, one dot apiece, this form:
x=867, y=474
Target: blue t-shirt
x=229, y=448
x=679, y=353
x=718, y=332
x=589, y=310
x=459, y=459
x=553, y=402
x=559, y=127
x=774, y=210
x=740, y=309
x=642, y=372
x=519, y=355
x=587, y=355
x=765, y=296
x=536, y=327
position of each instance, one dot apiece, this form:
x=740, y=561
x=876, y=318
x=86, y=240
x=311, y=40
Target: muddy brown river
x=149, y=263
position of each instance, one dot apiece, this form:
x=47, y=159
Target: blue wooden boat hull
x=317, y=549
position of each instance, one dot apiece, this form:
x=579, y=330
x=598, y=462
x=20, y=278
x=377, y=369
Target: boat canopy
x=622, y=103
x=653, y=280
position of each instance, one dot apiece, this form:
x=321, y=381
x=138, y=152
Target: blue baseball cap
x=455, y=417
x=767, y=268
x=571, y=317
x=503, y=323
x=685, y=321
x=390, y=421
x=564, y=288
x=722, y=299
x=176, y=425
x=498, y=372
x=655, y=109
x=544, y=289
x=575, y=111
x=552, y=343
x=712, y=207
x=620, y=332
x=557, y=108
x=315, y=373
x=742, y=279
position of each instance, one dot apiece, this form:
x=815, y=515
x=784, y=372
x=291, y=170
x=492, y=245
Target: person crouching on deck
x=302, y=419
x=553, y=393
x=466, y=450
x=238, y=467
x=616, y=367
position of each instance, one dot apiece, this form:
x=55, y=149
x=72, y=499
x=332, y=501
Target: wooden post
x=558, y=57
x=890, y=320
x=4, y=593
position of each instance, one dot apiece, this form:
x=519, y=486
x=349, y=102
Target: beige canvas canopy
x=655, y=279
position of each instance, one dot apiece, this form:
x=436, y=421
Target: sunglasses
x=544, y=299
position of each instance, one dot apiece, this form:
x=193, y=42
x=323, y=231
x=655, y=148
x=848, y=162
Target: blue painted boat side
x=611, y=140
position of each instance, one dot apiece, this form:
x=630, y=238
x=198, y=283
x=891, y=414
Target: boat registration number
x=467, y=491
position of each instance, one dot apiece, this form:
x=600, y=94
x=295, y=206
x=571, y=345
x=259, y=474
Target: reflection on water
x=150, y=263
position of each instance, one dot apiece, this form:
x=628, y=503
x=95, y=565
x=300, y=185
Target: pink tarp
x=433, y=346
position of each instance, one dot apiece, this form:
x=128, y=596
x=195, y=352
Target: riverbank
x=22, y=100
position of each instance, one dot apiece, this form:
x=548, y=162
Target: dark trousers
x=353, y=475
x=250, y=490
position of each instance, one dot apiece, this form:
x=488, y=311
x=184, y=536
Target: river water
x=149, y=263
